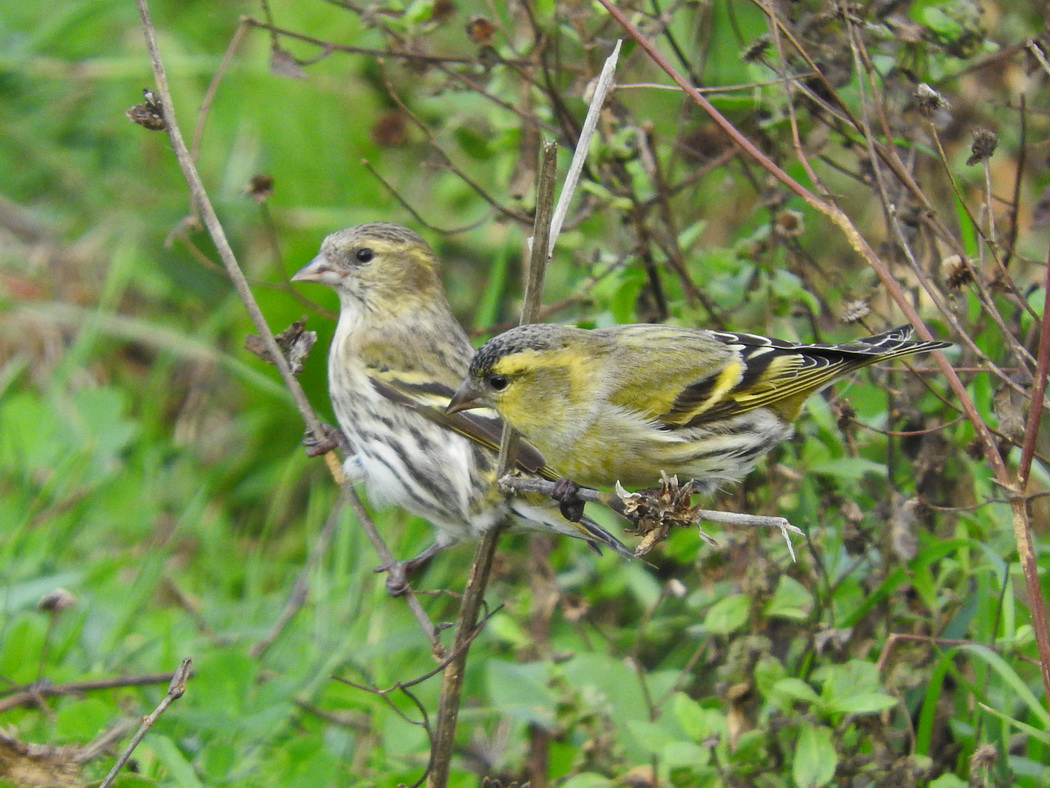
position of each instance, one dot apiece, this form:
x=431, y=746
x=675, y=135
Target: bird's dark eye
x=498, y=382
x=364, y=255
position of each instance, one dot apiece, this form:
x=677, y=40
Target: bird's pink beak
x=319, y=270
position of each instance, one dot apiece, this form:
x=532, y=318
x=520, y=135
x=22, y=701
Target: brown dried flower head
x=149, y=114
x=984, y=144
x=855, y=310
x=957, y=272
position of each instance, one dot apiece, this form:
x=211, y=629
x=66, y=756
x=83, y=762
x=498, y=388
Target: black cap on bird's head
x=485, y=378
x=532, y=336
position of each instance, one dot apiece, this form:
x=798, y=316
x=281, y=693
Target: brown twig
x=452, y=679
x=460, y=173
x=330, y=46
x=213, y=88
x=34, y=692
x=621, y=507
x=404, y=203
x=218, y=234
x=175, y=690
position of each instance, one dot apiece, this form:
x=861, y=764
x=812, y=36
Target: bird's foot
x=398, y=573
x=333, y=439
x=567, y=493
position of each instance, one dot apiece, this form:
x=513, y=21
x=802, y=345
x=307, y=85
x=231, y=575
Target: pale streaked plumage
x=627, y=402
x=397, y=355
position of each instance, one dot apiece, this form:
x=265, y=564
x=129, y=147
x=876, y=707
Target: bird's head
x=527, y=374
x=381, y=265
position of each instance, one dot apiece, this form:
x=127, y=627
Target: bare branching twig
x=202, y=204
x=175, y=690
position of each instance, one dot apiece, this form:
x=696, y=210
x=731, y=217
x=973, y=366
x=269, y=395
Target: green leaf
x=180, y=769
x=589, y=780
x=697, y=722
x=768, y=671
x=791, y=600
x=652, y=737
x=860, y=703
x=850, y=469
x=1013, y=681
x=787, y=691
x=1028, y=730
x=815, y=757
x=83, y=720
x=684, y=754
x=133, y=781
x=508, y=630
x=474, y=144
x=948, y=781
x=728, y=615
x=519, y=690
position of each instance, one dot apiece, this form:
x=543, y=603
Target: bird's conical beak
x=466, y=398
x=317, y=270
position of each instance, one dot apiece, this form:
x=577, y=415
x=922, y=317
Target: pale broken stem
x=614, y=502
x=175, y=690
x=579, y=156
x=203, y=206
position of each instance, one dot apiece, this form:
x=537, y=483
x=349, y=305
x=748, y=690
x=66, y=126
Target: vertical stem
x=480, y=568
x=1021, y=514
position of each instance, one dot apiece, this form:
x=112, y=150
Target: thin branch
x=620, y=504
x=452, y=679
x=34, y=692
x=218, y=234
x=175, y=690
x=436, y=147
x=327, y=47
x=414, y=213
x=213, y=87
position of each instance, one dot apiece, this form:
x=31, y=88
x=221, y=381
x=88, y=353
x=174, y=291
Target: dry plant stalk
x=268, y=343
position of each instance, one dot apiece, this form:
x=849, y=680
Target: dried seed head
x=676, y=588
x=480, y=30
x=295, y=342
x=56, y=601
x=790, y=224
x=756, y=50
x=390, y=129
x=984, y=144
x=149, y=114
x=442, y=10
x=260, y=187
x=929, y=101
x=956, y=272
x=983, y=757
x=855, y=310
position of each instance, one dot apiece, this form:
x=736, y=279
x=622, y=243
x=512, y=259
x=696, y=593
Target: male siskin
x=622, y=404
